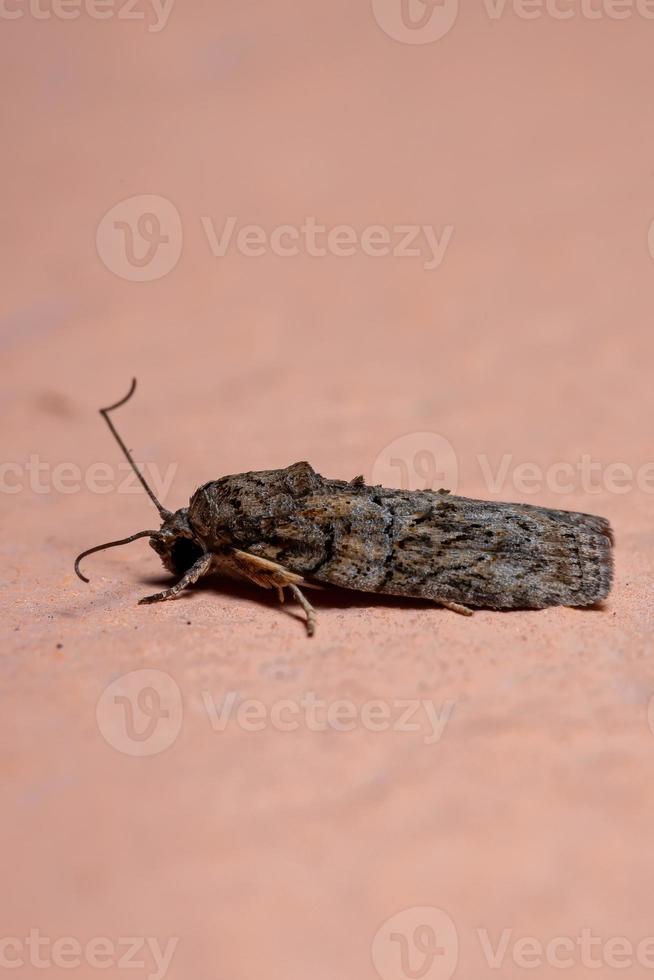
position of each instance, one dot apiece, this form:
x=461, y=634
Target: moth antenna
x=110, y=544
x=163, y=512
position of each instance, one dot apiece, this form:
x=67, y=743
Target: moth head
x=174, y=542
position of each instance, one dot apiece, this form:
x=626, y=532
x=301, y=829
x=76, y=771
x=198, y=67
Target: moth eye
x=184, y=553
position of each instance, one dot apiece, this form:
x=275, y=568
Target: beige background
x=280, y=854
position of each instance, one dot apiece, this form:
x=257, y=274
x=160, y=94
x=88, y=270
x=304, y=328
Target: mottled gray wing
x=496, y=555
x=423, y=544
x=442, y=547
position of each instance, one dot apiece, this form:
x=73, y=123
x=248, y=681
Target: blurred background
x=405, y=239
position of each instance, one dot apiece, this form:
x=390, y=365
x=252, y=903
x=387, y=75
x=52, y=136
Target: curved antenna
x=105, y=414
x=110, y=544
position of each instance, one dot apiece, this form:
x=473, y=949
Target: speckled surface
x=520, y=799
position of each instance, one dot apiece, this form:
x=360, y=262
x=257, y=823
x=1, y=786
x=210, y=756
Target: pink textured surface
x=280, y=854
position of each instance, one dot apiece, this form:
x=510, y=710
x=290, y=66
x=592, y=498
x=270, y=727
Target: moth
x=293, y=529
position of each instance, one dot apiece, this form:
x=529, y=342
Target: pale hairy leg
x=270, y=575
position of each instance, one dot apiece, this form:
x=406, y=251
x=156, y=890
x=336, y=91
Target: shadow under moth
x=293, y=529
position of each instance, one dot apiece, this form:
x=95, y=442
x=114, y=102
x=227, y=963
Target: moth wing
x=438, y=546
x=500, y=556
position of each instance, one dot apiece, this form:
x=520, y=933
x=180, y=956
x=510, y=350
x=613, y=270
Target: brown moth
x=292, y=528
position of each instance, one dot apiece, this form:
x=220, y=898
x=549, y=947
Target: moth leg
x=308, y=608
x=195, y=572
x=455, y=607
x=270, y=575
